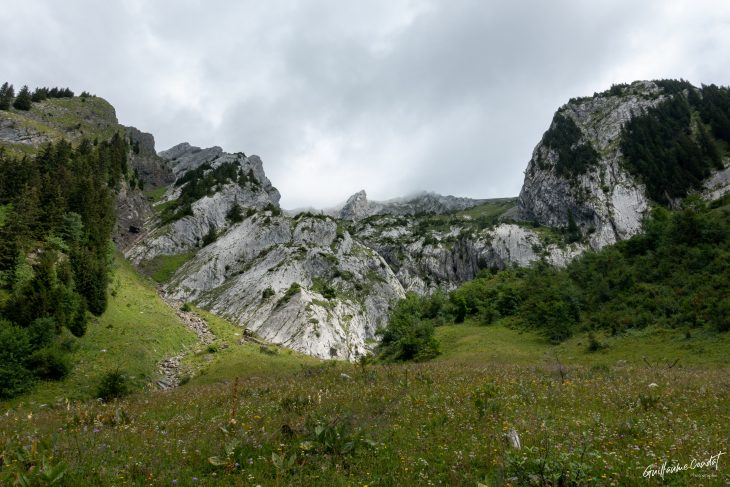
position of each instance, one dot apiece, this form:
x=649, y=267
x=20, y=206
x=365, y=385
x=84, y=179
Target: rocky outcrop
x=152, y=170
x=184, y=157
x=209, y=212
x=718, y=185
x=358, y=206
x=605, y=201
x=299, y=282
x=426, y=259
x=132, y=211
x=323, y=283
x=293, y=282
x=13, y=132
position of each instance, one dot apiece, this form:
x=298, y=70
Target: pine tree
x=24, y=100
x=7, y=93
x=39, y=94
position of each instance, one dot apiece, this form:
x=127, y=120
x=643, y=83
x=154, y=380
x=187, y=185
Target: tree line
x=56, y=220
x=25, y=98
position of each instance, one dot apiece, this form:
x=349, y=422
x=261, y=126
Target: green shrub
x=408, y=336
x=113, y=385
x=593, y=344
x=211, y=236
x=15, y=347
x=186, y=307
x=294, y=289
x=49, y=363
x=267, y=293
x=235, y=214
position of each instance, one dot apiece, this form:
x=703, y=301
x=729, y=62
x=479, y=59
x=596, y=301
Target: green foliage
x=235, y=214
x=674, y=275
x=163, y=267
x=714, y=108
x=23, y=100
x=58, y=215
x=50, y=363
x=335, y=437
x=15, y=347
x=113, y=385
x=7, y=94
x=486, y=399
x=672, y=86
x=186, y=307
x=408, y=336
x=661, y=150
x=275, y=210
x=211, y=236
x=294, y=289
x=267, y=293
x=32, y=465
x=563, y=137
x=593, y=344
x=322, y=287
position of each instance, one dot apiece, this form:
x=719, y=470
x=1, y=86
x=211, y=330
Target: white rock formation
x=605, y=201
x=358, y=206
x=247, y=274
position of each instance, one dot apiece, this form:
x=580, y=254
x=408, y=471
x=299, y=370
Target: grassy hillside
x=58, y=118
x=133, y=335
x=588, y=418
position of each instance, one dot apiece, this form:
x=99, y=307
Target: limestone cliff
x=579, y=174
x=605, y=200
x=301, y=282
x=358, y=206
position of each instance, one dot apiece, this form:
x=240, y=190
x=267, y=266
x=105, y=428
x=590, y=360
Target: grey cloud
x=335, y=96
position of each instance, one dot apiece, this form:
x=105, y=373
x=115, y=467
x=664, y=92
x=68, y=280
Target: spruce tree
x=7, y=93
x=24, y=100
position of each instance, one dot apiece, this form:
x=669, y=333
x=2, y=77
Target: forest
x=56, y=220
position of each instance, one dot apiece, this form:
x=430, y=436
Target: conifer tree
x=7, y=93
x=24, y=100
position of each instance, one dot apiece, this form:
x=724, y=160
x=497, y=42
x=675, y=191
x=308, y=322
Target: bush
x=49, y=363
x=267, y=293
x=408, y=336
x=593, y=344
x=294, y=289
x=210, y=237
x=15, y=346
x=113, y=385
x=186, y=307
x=235, y=214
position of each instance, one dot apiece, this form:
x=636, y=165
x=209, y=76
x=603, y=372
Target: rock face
x=211, y=211
x=153, y=171
x=132, y=211
x=605, y=201
x=299, y=282
x=184, y=157
x=425, y=260
x=14, y=133
x=358, y=206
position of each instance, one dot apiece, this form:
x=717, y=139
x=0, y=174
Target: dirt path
x=170, y=367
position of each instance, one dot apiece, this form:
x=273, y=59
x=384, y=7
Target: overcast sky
x=390, y=96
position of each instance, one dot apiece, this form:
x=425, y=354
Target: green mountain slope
x=51, y=120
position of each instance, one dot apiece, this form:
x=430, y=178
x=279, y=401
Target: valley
x=576, y=334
